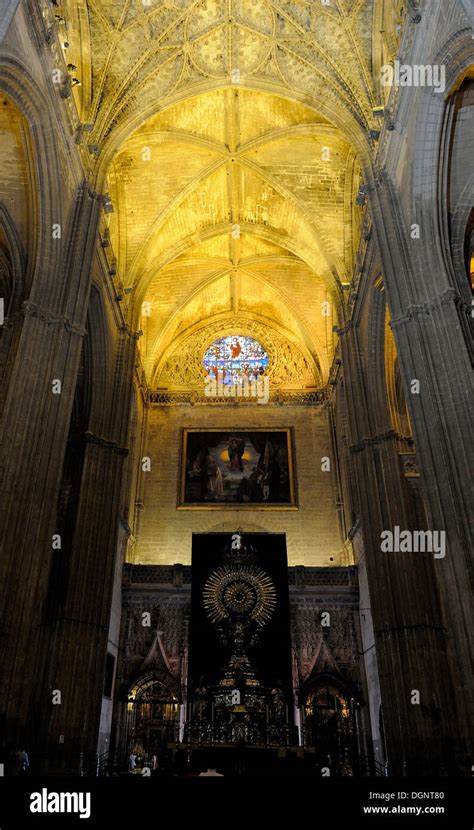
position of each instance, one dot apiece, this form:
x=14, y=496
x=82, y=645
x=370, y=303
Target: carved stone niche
x=409, y=465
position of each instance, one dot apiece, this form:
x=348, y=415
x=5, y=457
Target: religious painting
x=228, y=469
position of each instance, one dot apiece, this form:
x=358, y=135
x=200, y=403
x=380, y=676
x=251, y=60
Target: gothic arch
x=173, y=334
x=12, y=290
x=431, y=147
x=456, y=55
x=19, y=85
x=267, y=232
x=12, y=276
x=144, y=680
x=334, y=264
x=462, y=244
x=457, y=193
x=190, y=345
x=336, y=115
x=320, y=677
x=383, y=370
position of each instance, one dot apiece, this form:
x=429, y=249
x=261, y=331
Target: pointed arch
x=44, y=165
x=12, y=283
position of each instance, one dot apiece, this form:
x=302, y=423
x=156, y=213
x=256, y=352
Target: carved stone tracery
x=288, y=366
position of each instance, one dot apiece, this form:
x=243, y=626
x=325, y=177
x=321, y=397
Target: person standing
x=24, y=761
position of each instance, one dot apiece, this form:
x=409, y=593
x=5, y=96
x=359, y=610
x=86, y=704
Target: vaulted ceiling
x=231, y=136
x=235, y=202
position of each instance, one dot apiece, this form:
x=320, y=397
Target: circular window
x=232, y=359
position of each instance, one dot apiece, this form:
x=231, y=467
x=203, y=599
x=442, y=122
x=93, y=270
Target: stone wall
x=312, y=532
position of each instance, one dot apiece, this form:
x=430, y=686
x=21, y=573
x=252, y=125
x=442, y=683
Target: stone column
x=409, y=634
x=77, y=639
x=33, y=434
x=430, y=320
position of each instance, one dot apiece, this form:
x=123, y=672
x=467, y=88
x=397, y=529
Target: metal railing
x=93, y=766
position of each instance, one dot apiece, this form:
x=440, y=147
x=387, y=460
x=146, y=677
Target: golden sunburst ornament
x=239, y=590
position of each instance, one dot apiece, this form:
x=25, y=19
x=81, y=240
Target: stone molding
x=50, y=318
x=450, y=295
x=158, y=398
x=372, y=440
x=90, y=438
x=298, y=575
x=290, y=365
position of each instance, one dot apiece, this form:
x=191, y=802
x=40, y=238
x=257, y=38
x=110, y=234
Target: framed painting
x=226, y=469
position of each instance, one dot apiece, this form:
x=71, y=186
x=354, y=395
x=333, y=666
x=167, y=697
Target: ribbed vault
x=231, y=136
x=236, y=201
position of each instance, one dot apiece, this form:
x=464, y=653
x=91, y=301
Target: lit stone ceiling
x=230, y=133
x=145, y=51
x=226, y=204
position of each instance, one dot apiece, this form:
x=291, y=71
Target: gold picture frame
x=230, y=469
